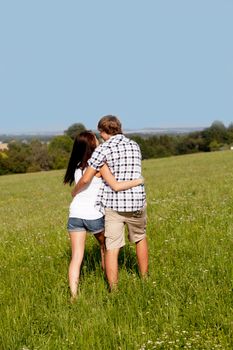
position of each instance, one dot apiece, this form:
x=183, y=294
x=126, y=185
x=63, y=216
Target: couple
x=108, y=194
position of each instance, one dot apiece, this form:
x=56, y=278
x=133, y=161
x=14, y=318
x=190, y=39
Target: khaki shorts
x=115, y=224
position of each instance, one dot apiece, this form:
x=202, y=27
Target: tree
x=39, y=158
x=59, y=149
x=214, y=146
x=4, y=166
x=230, y=133
x=216, y=132
x=74, y=130
x=17, y=157
x=230, y=127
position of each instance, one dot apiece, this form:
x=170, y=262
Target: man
x=123, y=156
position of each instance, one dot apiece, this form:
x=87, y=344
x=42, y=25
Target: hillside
x=187, y=301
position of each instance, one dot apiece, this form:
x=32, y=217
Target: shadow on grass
x=92, y=261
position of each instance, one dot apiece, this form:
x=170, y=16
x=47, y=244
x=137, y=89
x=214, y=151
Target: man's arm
x=118, y=185
x=84, y=181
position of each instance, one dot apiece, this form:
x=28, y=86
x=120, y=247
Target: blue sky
x=153, y=63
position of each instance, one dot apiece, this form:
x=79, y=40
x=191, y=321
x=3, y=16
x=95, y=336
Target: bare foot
x=73, y=299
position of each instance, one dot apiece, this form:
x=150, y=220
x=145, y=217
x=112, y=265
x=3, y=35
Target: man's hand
x=143, y=180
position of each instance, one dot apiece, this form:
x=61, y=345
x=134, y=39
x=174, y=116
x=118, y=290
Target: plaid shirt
x=123, y=156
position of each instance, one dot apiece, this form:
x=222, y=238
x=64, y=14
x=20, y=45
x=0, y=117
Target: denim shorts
x=92, y=226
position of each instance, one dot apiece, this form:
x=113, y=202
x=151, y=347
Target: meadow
x=187, y=300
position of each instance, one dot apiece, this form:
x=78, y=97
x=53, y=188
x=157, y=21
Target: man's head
x=109, y=125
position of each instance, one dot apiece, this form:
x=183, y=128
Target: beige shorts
x=115, y=224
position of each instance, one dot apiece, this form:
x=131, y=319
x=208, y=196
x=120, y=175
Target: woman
x=83, y=216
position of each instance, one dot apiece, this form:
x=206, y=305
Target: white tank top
x=83, y=204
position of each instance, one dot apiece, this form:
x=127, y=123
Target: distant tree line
x=215, y=138
x=36, y=155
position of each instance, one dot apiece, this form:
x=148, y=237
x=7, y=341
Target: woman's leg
x=101, y=239
x=77, y=245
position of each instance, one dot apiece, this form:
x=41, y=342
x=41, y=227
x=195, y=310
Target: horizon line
x=146, y=129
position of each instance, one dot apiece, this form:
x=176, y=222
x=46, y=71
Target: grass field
x=187, y=301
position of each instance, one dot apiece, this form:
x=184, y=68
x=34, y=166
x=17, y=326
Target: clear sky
x=153, y=63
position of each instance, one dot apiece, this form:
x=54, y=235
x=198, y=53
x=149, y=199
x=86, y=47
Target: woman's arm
x=118, y=185
x=84, y=181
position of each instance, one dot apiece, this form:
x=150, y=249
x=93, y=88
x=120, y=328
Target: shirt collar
x=116, y=137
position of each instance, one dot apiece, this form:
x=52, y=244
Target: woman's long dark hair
x=83, y=147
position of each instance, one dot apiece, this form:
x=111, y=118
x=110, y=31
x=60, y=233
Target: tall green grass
x=187, y=301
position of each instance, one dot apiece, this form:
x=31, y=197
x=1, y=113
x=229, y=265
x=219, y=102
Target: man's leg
x=114, y=240
x=101, y=239
x=142, y=256
x=111, y=265
x=137, y=233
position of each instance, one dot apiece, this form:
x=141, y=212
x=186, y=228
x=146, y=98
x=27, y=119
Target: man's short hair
x=110, y=124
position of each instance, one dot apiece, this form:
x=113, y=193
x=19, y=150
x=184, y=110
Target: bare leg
x=101, y=239
x=77, y=245
x=142, y=256
x=111, y=260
